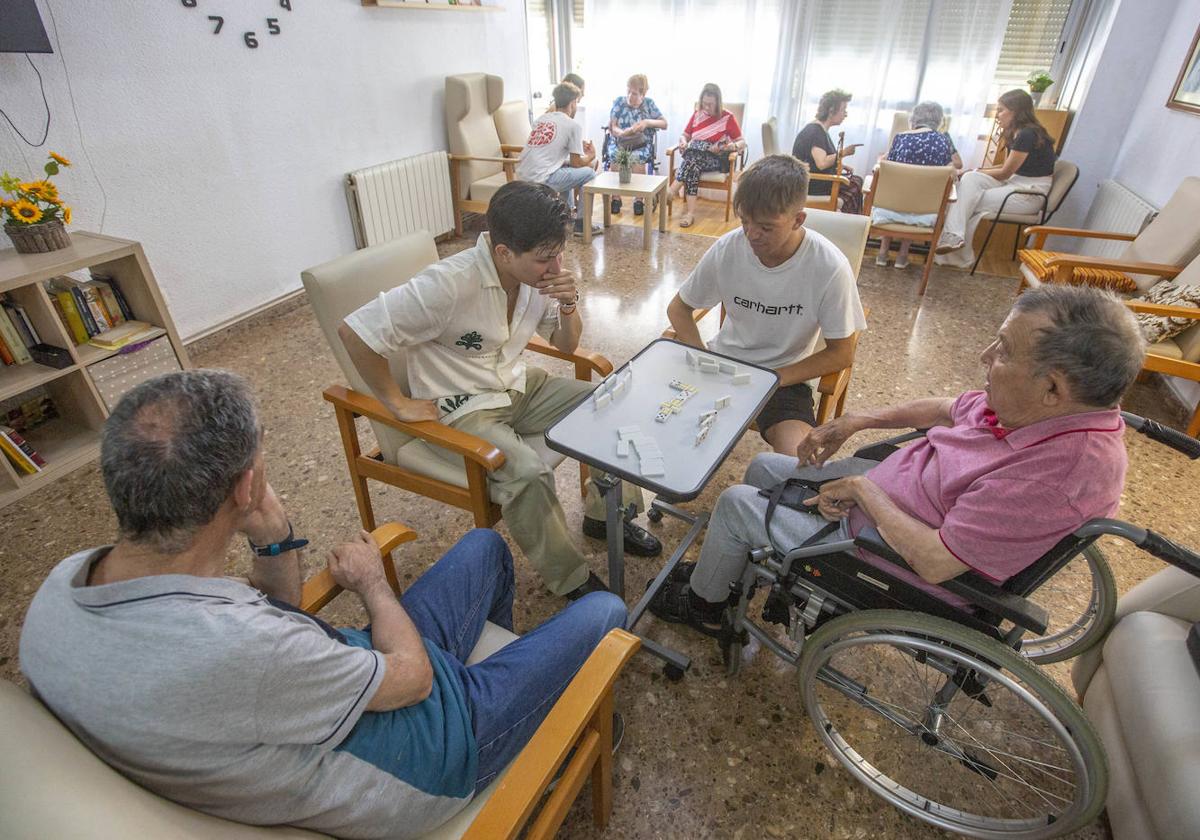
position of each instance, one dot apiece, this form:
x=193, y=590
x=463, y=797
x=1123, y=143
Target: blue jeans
x=564, y=181
x=512, y=690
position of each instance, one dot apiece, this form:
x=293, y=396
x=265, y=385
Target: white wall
x=227, y=163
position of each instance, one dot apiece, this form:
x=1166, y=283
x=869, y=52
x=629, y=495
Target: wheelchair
x=944, y=713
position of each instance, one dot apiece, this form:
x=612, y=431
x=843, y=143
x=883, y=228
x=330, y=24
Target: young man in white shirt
x=782, y=286
x=463, y=323
x=556, y=153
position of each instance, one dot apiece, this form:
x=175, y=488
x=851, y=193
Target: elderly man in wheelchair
x=907, y=578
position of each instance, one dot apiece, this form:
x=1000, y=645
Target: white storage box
x=116, y=375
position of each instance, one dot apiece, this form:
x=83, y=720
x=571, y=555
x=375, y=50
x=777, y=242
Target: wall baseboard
x=244, y=316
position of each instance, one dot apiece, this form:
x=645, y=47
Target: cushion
x=1160, y=327
x=485, y=188
x=1102, y=278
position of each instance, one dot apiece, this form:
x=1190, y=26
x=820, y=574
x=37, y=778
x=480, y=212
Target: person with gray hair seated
x=924, y=144
x=1002, y=474
x=224, y=696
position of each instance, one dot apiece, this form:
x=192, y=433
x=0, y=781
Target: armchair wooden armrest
x=834, y=383
x=507, y=149
x=320, y=589
x=1063, y=264
x=1164, y=310
x=820, y=176
x=586, y=704
x=697, y=316
x=1040, y=232
x=505, y=161
x=460, y=443
x=585, y=361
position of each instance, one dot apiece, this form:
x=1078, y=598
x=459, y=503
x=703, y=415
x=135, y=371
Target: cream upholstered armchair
x=720, y=181
x=479, y=164
x=908, y=188
x=849, y=233
x=427, y=458
x=55, y=787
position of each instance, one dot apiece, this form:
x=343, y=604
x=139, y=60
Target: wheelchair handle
x=1171, y=552
x=1154, y=430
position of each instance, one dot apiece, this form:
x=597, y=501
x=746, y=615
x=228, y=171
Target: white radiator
x=1118, y=209
x=392, y=199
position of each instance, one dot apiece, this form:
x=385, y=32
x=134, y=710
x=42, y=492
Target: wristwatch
x=277, y=548
x=568, y=308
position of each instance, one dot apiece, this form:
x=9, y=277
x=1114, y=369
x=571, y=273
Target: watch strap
x=277, y=548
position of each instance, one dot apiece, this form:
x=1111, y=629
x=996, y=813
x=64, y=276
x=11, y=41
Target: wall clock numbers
x=249, y=37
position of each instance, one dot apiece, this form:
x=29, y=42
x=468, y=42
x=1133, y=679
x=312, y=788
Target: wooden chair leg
x=1193, y=428
x=481, y=502
x=362, y=493
x=728, y=200
x=602, y=789
x=841, y=403
x=928, y=268
x=824, y=408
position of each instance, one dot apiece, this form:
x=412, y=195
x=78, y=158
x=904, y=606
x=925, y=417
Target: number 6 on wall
x=250, y=40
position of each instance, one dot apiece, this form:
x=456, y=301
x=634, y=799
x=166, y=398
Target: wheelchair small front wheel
x=951, y=726
x=654, y=514
x=1081, y=600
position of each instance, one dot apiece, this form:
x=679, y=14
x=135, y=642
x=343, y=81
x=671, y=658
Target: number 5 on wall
x=273, y=25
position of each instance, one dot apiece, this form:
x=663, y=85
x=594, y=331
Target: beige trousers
x=524, y=485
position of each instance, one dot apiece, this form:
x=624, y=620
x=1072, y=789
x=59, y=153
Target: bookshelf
x=73, y=438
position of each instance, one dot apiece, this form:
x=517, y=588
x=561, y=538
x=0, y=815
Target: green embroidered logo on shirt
x=471, y=341
x=452, y=404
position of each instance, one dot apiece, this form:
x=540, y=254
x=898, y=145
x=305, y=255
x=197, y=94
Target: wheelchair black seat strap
x=792, y=493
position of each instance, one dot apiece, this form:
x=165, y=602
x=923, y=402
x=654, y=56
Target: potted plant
x=624, y=160
x=1038, y=82
x=33, y=212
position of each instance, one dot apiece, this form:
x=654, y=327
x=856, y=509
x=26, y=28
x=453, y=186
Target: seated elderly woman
x=1002, y=475
x=710, y=134
x=925, y=144
x=631, y=125
x=814, y=146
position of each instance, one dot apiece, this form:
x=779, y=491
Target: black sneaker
x=639, y=207
x=597, y=229
x=675, y=602
x=592, y=584
x=638, y=541
x=614, y=206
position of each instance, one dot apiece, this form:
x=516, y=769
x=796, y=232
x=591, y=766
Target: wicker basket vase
x=39, y=238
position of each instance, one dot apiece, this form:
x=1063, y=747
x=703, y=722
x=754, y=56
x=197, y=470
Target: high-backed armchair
x=427, y=458
x=479, y=164
x=512, y=125
x=723, y=181
x=770, y=140
x=1163, y=248
x=849, y=233
x=55, y=787
x=908, y=188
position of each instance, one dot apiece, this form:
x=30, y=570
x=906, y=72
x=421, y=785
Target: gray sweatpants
x=738, y=525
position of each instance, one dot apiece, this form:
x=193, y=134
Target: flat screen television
x=21, y=29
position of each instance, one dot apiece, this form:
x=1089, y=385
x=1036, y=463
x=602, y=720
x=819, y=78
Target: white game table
x=591, y=434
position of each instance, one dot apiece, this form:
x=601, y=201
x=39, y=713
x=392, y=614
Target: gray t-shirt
x=205, y=692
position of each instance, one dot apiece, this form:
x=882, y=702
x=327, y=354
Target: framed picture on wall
x=1186, y=95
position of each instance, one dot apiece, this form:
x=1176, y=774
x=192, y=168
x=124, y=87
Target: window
x=1032, y=42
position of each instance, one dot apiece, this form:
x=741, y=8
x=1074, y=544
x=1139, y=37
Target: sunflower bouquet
x=30, y=203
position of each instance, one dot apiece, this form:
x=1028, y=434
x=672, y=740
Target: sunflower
x=59, y=159
x=67, y=215
x=40, y=189
x=26, y=211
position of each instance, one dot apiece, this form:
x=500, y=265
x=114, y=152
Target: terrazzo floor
x=706, y=757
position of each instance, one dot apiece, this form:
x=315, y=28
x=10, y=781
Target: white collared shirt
x=451, y=321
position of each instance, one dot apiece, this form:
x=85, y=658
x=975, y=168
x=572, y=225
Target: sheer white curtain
x=890, y=54
x=681, y=45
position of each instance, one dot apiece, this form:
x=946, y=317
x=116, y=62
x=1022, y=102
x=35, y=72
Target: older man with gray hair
x=223, y=695
x=1001, y=476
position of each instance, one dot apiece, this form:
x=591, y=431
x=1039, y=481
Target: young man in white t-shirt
x=556, y=153
x=782, y=287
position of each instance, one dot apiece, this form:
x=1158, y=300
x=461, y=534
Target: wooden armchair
x=836, y=182
x=479, y=163
x=720, y=181
x=427, y=458
x=56, y=787
x=849, y=234
x=908, y=188
x=1161, y=249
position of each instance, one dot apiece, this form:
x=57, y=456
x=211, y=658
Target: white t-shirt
x=555, y=137
x=773, y=316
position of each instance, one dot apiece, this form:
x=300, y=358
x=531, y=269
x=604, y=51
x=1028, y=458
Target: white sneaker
x=881, y=260
x=901, y=265
x=949, y=242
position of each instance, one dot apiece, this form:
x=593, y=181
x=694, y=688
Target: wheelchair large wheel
x=1082, y=602
x=952, y=727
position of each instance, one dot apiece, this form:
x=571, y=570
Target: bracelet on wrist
x=290, y=543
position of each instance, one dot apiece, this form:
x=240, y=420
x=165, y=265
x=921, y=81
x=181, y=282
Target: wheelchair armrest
x=880, y=450
x=968, y=585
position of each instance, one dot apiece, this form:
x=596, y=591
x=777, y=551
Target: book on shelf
x=64, y=305
x=23, y=456
x=118, y=337
x=5, y=355
x=20, y=320
x=122, y=301
x=29, y=413
x=12, y=340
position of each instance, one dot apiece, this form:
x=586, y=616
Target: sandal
x=614, y=206
x=673, y=603
x=686, y=221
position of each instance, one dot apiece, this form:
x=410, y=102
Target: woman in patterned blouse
x=710, y=134
x=924, y=145
x=631, y=125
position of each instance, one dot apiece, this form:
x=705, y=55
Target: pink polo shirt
x=1000, y=499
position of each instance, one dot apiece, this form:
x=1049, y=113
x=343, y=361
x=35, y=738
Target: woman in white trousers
x=1028, y=167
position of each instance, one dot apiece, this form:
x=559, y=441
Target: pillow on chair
x=1160, y=327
